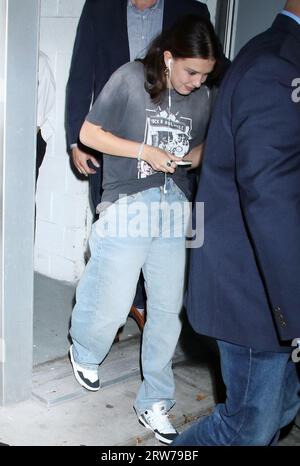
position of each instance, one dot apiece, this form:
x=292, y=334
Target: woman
x=150, y=118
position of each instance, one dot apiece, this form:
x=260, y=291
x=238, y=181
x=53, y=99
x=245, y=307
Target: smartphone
x=184, y=163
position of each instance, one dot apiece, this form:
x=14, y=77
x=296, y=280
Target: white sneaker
x=88, y=378
x=157, y=420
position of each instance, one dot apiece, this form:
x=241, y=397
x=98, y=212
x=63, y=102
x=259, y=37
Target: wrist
x=140, y=151
x=148, y=150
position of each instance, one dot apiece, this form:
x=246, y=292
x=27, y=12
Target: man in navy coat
x=244, y=283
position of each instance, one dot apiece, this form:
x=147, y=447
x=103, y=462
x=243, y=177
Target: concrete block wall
x=63, y=214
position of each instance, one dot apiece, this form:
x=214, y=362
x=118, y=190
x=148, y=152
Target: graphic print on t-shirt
x=168, y=132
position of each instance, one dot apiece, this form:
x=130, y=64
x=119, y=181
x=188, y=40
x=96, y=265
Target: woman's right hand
x=159, y=159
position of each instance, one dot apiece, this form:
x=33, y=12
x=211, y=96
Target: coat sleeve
x=80, y=84
x=266, y=131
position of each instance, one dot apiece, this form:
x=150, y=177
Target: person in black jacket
x=111, y=33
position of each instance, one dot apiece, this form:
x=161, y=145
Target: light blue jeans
x=107, y=288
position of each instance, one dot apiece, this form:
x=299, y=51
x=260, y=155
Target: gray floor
x=53, y=303
x=62, y=413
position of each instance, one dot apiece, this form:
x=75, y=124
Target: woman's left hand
x=159, y=159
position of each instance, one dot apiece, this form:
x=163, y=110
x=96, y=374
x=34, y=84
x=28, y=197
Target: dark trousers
x=262, y=397
x=41, y=147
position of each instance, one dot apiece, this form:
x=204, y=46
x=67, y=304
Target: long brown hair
x=190, y=37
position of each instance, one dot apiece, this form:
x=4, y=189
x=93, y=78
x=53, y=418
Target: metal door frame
x=19, y=34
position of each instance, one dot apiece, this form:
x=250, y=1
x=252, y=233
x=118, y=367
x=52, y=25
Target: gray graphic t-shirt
x=125, y=109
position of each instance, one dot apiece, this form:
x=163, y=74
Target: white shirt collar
x=151, y=8
x=291, y=15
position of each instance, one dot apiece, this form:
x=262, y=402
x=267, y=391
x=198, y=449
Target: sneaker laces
x=159, y=419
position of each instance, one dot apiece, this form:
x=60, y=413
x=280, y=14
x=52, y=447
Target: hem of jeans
x=88, y=366
x=85, y=365
x=140, y=410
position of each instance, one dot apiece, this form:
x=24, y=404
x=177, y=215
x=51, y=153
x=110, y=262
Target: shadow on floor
x=204, y=352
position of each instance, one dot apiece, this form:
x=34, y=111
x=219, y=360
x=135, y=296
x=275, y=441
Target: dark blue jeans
x=263, y=395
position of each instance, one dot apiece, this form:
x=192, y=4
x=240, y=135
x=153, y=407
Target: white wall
x=63, y=212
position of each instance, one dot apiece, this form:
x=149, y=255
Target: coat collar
x=287, y=24
x=290, y=48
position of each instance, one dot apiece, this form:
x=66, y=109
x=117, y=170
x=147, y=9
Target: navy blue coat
x=101, y=47
x=244, y=283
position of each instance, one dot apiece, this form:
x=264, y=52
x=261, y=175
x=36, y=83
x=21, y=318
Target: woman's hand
x=160, y=160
